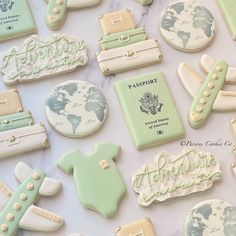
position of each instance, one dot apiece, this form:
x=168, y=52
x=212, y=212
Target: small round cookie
x=211, y=218
x=76, y=108
x=187, y=26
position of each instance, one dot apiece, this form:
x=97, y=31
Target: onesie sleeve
x=109, y=150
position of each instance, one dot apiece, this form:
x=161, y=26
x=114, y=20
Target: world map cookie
x=171, y=176
x=17, y=209
x=208, y=95
x=38, y=59
x=76, y=108
x=187, y=26
x=99, y=184
x=211, y=218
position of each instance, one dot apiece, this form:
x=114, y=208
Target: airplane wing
x=225, y=101
x=5, y=195
x=206, y=62
x=190, y=79
x=38, y=219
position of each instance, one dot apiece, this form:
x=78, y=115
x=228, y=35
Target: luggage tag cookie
x=171, y=176
x=211, y=218
x=17, y=209
x=57, y=10
x=38, y=59
x=208, y=95
x=139, y=228
x=98, y=182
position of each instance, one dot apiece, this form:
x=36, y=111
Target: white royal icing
x=211, y=218
x=175, y=175
x=76, y=108
x=187, y=26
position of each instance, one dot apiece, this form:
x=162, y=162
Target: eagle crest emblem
x=6, y=5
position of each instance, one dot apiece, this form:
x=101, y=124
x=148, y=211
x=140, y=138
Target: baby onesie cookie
x=76, y=108
x=211, y=218
x=138, y=228
x=99, y=184
x=187, y=26
x=208, y=95
x=171, y=176
x=38, y=59
x=10, y=102
x=17, y=209
x=15, y=19
x=57, y=10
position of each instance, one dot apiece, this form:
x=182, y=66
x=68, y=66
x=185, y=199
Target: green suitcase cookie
x=16, y=120
x=121, y=39
x=145, y=2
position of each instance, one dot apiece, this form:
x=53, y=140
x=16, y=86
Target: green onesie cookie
x=98, y=182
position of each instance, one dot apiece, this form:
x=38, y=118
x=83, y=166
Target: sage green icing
x=121, y=39
x=228, y=9
x=98, y=188
x=16, y=120
x=149, y=110
x=145, y=2
x=32, y=196
x=197, y=118
x=15, y=19
x=55, y=19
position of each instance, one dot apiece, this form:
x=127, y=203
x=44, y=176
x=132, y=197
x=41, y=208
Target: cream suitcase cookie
x=21, y=140
x=165, y=179
x=187, y=26
x=17, y=209
x=39, y=59
x=10, y=102
x=208, y=95
x=138, y=228
x=129, y=57
x=76, y=108
x=57, y=10
x=117, y=21
x=211, y=218
x=99, y=184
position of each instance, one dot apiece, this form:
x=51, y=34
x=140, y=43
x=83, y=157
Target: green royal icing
x=32, y=196
x=56, y=13
x=16, y=120
x=121, y=39
x=99, y=188
x=228, y=9
x=202, y=105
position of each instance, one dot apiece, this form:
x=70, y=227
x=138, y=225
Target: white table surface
x=168, y=217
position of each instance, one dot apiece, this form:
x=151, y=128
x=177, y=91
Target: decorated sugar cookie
x=17, y=209
x=57, y=10
x=138, y=228
x=187, y=26
x=38, y=59
x=99, y=184
x=208, y=95
x=211, y=218
x=171, y=176
x=76, y=108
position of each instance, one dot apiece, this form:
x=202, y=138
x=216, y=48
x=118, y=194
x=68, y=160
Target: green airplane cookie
x=98, y=182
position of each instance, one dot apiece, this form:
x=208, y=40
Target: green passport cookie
x=149, y=110
x=15, y=19
x=228, y=10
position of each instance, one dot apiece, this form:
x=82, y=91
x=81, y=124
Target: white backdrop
x=168, y=217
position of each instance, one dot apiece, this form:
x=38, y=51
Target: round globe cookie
x=76, y=108
x=187, y=26
x=211, y=218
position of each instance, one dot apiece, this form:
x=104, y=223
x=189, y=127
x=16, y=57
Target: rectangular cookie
x=228, y=10
x=117, y=21
x=10, y=102
x=15, y=19
x=149, y=110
